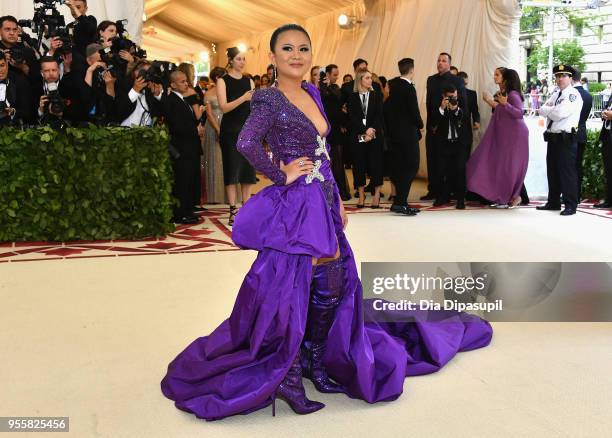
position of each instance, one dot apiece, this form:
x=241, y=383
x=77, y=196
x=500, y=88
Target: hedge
x=593, y=182
x=91, y=183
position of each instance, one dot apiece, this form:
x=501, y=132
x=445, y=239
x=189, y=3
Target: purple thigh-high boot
x=292, y=391
x=325, y=294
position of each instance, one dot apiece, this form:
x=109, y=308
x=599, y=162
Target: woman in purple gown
x=299, y=310
x=497, y=168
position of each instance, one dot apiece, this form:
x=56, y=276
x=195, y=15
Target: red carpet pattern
x=212, y=233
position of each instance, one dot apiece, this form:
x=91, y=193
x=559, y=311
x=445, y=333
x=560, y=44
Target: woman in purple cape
x=497, y=168
x=299, y=310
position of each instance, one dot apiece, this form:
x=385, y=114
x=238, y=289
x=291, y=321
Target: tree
x=567, y=52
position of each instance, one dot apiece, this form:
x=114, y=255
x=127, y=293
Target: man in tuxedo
x=403, y=129
x=139, y=101
x=606, y=151
x=581, y=137
x=473, y=113
x=451, y=137
x=332, y=104
x=435, y=83
x=185, y=147
x=15, y=96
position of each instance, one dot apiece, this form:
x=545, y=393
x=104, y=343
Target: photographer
x=21, y=59
x=15, y=96
x=452, y=138
x=58, y=98
x=139, y=102
x=84, y=26
x=118, y=52
x=98, y=89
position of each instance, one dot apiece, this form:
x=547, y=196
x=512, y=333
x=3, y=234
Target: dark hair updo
x=286, y=28
x=232, y=52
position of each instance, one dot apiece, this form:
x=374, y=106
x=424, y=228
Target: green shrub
x=593, y=181
x=84, y=183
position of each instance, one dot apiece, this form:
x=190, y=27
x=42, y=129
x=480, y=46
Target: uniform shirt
x=562, y=110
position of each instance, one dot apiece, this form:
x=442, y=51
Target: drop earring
x=275, y=73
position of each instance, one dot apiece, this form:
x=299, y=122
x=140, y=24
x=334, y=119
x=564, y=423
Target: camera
x=46, y=19
x=64, y=36
x=17, y=54
x=158, y=73
x=4, y=109
x=99, y=73
x=322, y=76
x=452, y=100
x=56, y=102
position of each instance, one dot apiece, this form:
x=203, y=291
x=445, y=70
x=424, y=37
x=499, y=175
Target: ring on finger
x=301, y=163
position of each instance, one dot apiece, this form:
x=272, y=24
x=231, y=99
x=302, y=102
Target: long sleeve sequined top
x=287, y=130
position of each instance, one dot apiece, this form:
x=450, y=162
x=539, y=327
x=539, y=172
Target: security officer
x=562, y=111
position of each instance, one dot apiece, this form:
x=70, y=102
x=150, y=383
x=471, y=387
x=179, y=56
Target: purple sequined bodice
x=288, y=132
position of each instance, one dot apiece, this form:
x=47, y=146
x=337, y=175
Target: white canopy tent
x=480, y=34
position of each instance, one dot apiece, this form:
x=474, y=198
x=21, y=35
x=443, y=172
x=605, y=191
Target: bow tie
x=5, y=82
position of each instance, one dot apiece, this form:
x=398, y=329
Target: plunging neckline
x=324, y=135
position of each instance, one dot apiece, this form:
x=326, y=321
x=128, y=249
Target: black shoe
x=548, y=206
x=525, y=202
x=428, y=197
x=604, y=204
x=186, y=220
x=417, y=210
x=439, y=202
x=345, y=197
x=460, y=205
x=403, y=209
x=199, y=209
x=568, y=211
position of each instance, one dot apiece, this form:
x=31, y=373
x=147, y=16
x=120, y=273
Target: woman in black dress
x=365, y=109
x=234, y=93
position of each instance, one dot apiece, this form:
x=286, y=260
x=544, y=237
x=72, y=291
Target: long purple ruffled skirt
x=237, y=368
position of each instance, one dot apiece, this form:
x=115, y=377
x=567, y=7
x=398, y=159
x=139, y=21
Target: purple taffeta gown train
x=238, y=367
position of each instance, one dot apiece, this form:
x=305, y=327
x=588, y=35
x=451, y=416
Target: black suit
x=473, y=115
x=331, y=97
x=348, y=89
x=434, y=97
x=71, y=87
x=29, y=57
x=84, y=32
x=19, y=96
x=452, y=154
x=587, y=104
x=402, y=127
x=366, y=155
x=183, y=127
x=606, y=151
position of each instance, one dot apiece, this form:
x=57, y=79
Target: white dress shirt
x=141, y=115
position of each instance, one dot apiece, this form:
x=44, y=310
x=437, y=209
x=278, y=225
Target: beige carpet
x=91, y=339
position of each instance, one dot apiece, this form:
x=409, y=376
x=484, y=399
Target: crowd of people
x=374, y=124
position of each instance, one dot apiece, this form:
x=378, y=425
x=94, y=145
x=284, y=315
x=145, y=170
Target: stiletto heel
x=292, y=391
x=232, y=214
x=274, y=405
